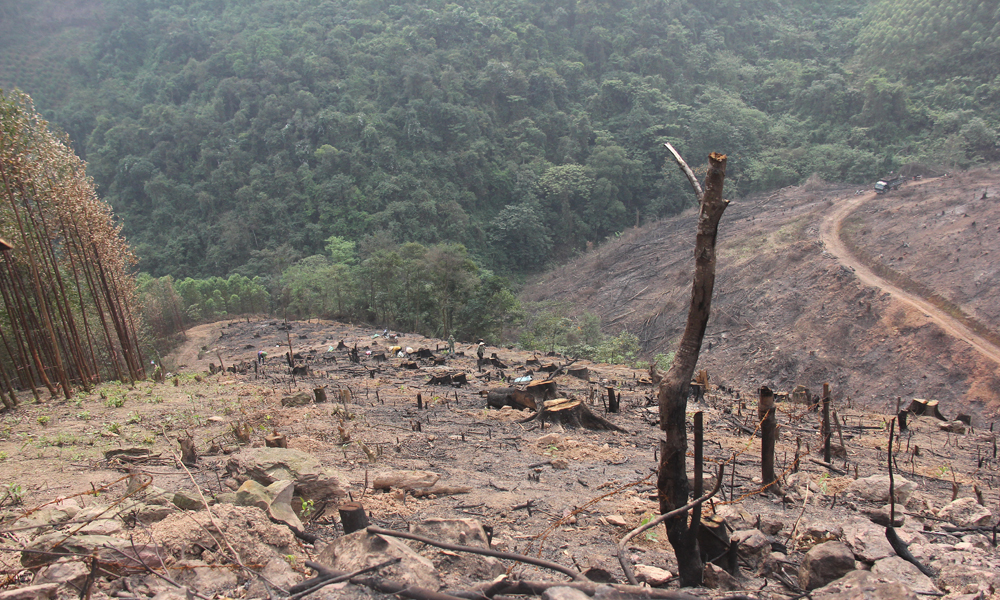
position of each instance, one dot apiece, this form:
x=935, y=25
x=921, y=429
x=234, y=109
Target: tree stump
x=320, y=395
x=188, y=455
x=276, y=440
x=352, y=517
x=572, y=413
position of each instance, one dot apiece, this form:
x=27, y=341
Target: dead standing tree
x=672, y=483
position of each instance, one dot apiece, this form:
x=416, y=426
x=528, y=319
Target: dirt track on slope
x=830, y=235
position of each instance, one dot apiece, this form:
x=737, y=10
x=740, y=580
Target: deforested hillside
x=788, y=312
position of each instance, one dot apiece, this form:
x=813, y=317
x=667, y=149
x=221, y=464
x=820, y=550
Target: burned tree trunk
x=672, y=484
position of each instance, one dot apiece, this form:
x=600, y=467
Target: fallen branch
x=625, y=563
x=325, y=581
x=828, y=466
x=385, y=586
x=538, y=562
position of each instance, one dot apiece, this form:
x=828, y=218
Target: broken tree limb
x=538, y=562
x=672, y=484
x=325, y=581
x=537, y=588
x=828, y=466
x=686, y=170
x=381, y=585
x=625, y=563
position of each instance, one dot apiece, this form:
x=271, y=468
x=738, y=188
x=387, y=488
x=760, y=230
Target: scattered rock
x=192, y=535
x=897, y=569
x=561, y=592
x=875, y=488
x=187, y=501
x=275, y=500
x=458, y=567
x=559, y=463
x=199, y=575
x=770, y=526
x=615, y=520
x=267, y=465
x=967, y=579
x=966, y=512
x=362, y=549
x=863, y=584
x=101, y=545
x=653, y=576
x=72, y=573
x=881, y=516
x=824, y=563
x=867, y=541
x=716, y=578
x=817, y=533
x=300, y=399
x=754, y=546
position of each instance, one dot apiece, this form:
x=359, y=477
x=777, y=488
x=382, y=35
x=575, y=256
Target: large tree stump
x=572, y=413
x=352, y=517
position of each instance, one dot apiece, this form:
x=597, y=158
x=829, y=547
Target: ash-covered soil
x=564, y=494
x=787, y=312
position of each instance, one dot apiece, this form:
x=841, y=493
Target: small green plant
x=115, y=402
x=114, y=427
x=83, y=415
x=308, y=506
x=943, y=470
x=133, y=418
x=3, y=456
x=824, y=481
x=14, y=493
x=44, y=420
x=78, y=402
x=650, y=534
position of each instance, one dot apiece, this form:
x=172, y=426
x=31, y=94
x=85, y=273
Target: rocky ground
x=96, y=497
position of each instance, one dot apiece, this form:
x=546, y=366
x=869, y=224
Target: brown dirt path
x=830, y=234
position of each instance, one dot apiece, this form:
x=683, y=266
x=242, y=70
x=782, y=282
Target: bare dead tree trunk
x=672, y=483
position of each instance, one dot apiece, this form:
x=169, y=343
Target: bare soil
x=548, y=492
x=791, y=309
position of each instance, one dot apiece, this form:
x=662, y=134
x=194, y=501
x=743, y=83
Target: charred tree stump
x=612, y=400
x=769, y=423
x=320, y=394
x=573, y=414
x=672, y=482
x=827, y=433
x=189, y=456
x=276, y=440
x=352, y=517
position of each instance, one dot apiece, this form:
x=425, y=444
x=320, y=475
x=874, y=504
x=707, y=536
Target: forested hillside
x=239, y=136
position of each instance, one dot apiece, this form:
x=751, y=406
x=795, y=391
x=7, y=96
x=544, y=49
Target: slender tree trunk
x=672, y=483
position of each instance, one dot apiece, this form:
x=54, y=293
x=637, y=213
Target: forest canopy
x=238, y=137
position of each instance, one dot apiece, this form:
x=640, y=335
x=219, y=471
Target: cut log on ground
x=514, y=397
x=572, y=413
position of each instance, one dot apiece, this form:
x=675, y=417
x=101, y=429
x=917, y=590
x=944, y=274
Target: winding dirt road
x=829, y=233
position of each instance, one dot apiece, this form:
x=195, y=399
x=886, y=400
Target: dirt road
x=830, y=231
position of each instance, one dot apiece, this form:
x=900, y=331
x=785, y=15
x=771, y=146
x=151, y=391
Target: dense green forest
x=241, y=137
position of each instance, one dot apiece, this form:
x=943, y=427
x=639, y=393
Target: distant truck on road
x=883, y=186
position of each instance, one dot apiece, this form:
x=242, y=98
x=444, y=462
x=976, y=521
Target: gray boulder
x=875, y=488
x=966, y=512
x=312, y=480
x=864, y=584
x=361, y=549
x=824, y=563
x=895, y=568
x=275, y=500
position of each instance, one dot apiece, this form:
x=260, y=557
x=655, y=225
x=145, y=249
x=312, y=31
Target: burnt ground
x=786, y=311
x=515, y=482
